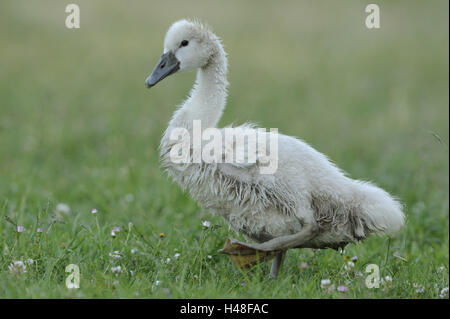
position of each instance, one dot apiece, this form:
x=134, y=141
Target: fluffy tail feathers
x=383, y=213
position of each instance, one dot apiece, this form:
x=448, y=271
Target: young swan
x=306, y=203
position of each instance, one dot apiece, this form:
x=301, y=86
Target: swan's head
x=187, y=46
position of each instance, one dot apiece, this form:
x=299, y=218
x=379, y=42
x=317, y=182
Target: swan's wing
x=251, y=178
x=246, y=154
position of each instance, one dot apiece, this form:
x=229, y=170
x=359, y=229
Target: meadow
x=79, y=128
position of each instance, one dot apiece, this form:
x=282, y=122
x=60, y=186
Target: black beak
x=167, y=65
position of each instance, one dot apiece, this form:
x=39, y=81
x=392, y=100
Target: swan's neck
x=208, y=96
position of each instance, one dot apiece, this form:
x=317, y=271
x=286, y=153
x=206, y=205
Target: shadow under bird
x=306, y=203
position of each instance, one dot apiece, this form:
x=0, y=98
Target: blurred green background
x=78, y=126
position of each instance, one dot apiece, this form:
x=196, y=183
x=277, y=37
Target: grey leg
x=276, y=264
x=285, y=242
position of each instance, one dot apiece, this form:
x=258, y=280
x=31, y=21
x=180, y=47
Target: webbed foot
x=245, y=255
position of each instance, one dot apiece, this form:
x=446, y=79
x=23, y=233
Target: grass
x=78, y=127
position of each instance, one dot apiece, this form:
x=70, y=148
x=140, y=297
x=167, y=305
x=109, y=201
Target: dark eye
x=184, y=43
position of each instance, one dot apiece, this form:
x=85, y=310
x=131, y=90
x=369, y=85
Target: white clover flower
x=129, y=198
x=94, y=210
x=134, y=250
x=157, y=283
x=350, y=265
x=206, y=223
x=420, y=290
x=17, y=267
x=209, y=257
x=20, y=229
x=325, y=283
x=444, y=293
x=176, y=255
x=116, y=270
x=62, y=208
x=167, y=260
x=354, y=258
x=115, y=254
x=114, y=231
x=388, y=279
x=30, y=261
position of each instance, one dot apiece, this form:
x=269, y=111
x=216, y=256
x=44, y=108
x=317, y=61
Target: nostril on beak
x=162, y=65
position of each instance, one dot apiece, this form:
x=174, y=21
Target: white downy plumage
x=307, y=202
